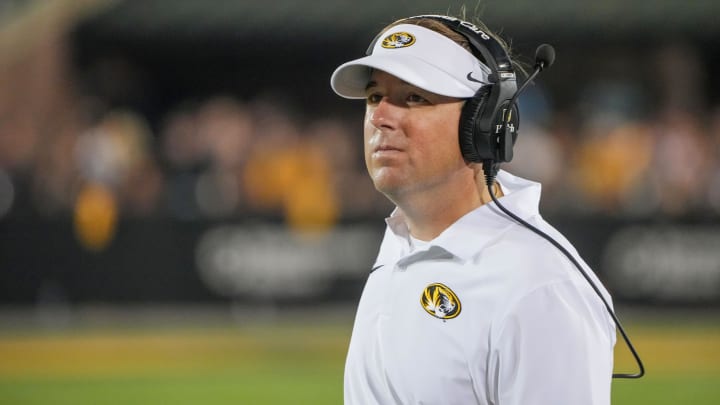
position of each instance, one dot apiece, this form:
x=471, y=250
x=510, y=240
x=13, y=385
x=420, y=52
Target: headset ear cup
x=472, y=110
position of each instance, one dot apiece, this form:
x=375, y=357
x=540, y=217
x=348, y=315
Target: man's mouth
x=387, y=148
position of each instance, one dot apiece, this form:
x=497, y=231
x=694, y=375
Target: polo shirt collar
x=469, y=234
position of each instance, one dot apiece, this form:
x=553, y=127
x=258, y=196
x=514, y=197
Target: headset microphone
x=544, y=58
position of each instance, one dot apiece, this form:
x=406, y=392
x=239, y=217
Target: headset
x=488, y=127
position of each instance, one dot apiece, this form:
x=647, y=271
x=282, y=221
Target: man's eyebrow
x=373, y=83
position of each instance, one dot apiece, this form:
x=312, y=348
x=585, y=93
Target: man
x=464, y=305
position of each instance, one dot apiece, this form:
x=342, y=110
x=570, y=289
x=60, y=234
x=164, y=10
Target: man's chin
x=391, y=190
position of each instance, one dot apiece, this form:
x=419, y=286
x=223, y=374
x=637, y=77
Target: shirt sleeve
x=552, y=346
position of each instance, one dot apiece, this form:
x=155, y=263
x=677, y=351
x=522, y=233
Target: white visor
x=416, y=55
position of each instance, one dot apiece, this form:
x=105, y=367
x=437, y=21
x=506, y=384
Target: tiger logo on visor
x=398, y=40
x=440, y=301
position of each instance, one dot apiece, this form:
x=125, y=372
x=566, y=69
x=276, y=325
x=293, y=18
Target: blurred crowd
x=663, y=166
x=225, y=157
x=216, y=159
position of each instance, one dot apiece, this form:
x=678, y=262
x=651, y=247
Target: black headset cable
x=490, y=168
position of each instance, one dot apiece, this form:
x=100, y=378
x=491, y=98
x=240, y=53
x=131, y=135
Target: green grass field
x=290, y=361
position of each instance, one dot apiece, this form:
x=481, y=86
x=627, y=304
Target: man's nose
x=385, y=115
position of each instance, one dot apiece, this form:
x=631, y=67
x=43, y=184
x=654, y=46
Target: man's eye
x=373, y=98
x=416, y=98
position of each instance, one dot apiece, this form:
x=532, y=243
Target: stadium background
x=184, y=215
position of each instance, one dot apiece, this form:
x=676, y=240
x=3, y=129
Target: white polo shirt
x=486, y=313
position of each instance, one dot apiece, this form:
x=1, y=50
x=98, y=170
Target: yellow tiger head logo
x=440, y=301
x=398, y=40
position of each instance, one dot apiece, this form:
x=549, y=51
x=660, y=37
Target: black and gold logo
x=398, y=40
x=440, y=301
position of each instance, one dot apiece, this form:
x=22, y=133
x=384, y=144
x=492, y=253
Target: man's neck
x=427, y=215
x=429, y=212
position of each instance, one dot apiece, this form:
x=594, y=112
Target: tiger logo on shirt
x=440, y=301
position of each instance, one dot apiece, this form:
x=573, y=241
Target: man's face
x=411, y=137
